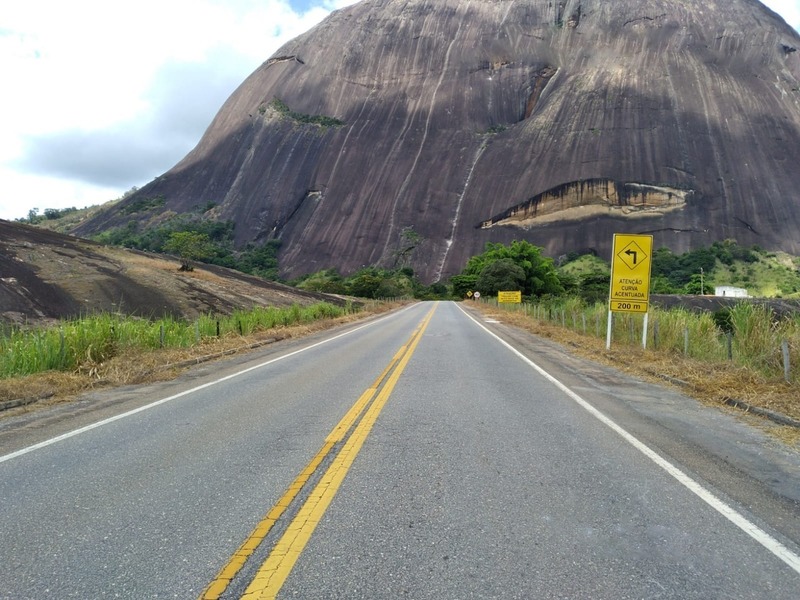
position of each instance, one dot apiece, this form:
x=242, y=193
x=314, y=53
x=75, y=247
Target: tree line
x=519, y=265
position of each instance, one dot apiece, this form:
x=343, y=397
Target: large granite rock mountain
x=443, y=124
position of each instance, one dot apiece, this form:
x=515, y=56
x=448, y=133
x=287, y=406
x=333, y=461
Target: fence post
x=655, y=335
x=786, y=363
x=686, y=341
x=583, y=317
x=161, y=335
x=729, y=335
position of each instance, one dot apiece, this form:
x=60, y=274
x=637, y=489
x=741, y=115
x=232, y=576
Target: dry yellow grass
x=711, y=383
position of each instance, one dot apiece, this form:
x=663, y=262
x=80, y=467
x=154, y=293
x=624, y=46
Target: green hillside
x=763, y=274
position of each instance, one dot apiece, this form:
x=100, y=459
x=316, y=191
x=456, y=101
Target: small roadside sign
x=470, y=294
x=509, y=297
x=631, y=260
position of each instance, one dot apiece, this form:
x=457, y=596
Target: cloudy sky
x=99, y=96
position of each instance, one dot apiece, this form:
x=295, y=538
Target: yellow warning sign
x=630, y=273
x=509, y=297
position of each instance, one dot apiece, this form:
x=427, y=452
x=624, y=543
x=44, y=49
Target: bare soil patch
x=46, y=276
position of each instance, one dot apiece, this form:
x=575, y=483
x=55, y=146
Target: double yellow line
x=353, y=430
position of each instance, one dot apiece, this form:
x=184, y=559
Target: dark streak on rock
x=746, y=224
x=280, y=59
x=672, y=230
x=643, y=19
x=276, y=232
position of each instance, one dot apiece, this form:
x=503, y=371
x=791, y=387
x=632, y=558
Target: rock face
x=45, y=276
x=558, y=122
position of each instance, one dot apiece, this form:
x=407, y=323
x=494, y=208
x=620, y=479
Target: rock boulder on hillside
x=467, y=121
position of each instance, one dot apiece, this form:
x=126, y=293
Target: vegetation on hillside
x=189, y=246
x=520, y=265
x=212, y=243
x=762, y=274
x=374, y=283
x=49, y=214
x=283, y=109
x=64, y=220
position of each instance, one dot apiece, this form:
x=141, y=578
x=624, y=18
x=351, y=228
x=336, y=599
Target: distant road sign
x=470, y=294
x=509, y=297
x=630, y=273
x=477, y=295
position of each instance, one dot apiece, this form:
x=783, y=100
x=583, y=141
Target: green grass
x=282, y=108
x=773, y=275
x=586, y=264
x=93, y=340
x=763, y=274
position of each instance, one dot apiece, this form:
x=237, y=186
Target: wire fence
x=749, y=335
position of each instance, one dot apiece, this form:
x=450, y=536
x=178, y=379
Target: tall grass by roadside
x=92, y=340
x=748, y=335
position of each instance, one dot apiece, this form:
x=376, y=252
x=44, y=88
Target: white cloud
x=100, y=96
x=788, y=9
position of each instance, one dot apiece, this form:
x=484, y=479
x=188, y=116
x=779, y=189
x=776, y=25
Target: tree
x=463, y=284
x=500, y=275
x=541, y=277
x=189, y=246
x=366, y=283
x=659, y=284
x=695, y=285
x=594, y=287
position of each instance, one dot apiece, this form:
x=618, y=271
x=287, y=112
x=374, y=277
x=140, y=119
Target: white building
x=730, y=291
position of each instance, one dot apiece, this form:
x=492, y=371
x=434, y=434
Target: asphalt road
x=424, y=454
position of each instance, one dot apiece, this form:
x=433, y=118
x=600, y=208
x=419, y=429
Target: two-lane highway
x=417, y=455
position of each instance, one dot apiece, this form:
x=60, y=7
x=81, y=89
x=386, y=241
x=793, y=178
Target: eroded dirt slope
x=46, y=276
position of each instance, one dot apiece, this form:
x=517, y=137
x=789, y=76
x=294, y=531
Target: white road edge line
x=755, y=532
x=129, y=413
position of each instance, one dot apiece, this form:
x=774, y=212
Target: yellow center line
x=223, y=579
x=274, y=571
